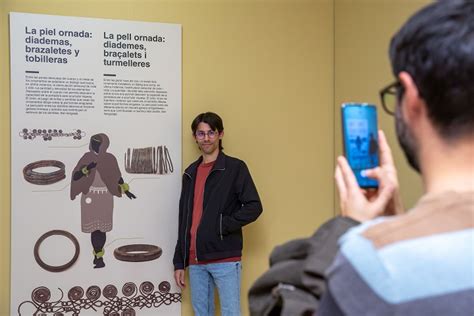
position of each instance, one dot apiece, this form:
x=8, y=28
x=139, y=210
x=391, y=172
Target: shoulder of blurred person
x=418, y=263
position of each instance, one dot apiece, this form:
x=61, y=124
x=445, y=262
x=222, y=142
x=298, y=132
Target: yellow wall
x=268, y=68
x=363, y=29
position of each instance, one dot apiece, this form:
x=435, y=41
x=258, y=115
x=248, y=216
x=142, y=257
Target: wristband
x=125, y=187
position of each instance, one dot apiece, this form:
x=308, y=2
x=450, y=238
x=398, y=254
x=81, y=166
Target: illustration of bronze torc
x=98, y=179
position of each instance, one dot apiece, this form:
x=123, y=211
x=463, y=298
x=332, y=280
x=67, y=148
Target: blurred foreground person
x=421, y=262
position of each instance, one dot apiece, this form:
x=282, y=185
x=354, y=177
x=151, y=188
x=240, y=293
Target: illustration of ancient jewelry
x=49, y=134
x=44, y=178
x=137, y=252
x=106, y=301
x=65, y=266
x=149, y=160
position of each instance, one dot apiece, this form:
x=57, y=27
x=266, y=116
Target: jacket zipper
x=186, y=230
x=203, y=208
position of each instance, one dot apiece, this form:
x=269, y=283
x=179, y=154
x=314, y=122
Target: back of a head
x=436, y=47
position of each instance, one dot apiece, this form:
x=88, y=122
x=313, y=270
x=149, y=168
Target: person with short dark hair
x=218, y=198
x=386, y=263
x=421, y=262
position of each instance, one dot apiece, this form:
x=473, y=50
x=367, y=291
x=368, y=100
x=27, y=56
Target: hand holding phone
x=360, y=138
x=357, y=203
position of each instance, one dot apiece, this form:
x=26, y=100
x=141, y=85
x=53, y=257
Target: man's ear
x=221, y=135
x=412, y=105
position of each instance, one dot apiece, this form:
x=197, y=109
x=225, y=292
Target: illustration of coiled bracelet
x=149, y=160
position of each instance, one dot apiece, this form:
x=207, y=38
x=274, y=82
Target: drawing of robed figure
x=97, y=176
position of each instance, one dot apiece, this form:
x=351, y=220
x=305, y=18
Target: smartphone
x=360, y=138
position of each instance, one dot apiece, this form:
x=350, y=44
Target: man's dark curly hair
x=436, y=47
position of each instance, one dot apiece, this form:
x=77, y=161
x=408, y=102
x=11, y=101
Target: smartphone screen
x=360, y=138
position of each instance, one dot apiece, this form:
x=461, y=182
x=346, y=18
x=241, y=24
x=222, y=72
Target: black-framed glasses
x=202, y=134
x=390, y=95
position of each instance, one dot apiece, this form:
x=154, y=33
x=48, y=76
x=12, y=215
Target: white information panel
x=96, y=165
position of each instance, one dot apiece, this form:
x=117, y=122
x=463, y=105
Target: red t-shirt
x=202, y=172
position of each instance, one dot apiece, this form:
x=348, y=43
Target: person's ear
x=412, y=104
x=221, y=135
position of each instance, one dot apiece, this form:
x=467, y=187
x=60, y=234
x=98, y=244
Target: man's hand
x=130, y=195
x=363, y=205
x=179, y=278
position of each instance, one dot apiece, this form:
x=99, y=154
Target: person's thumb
x=375, y=173
x=385, y=195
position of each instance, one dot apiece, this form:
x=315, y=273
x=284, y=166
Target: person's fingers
x=179, y=278
x=341, y=186
x=384, y=150
x=374, y=173
x=182, y=280
x=348, y=176
x=176, y=279
x=384, y=175
x=385, y=195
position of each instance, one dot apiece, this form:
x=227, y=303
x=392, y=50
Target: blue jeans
x=203, y=278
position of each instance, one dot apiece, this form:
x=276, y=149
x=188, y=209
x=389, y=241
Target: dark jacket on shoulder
x=295, y=282
x=230, y=202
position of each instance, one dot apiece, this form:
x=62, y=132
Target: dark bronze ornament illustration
x=137, y=252
x=93, y=293
x=110, y=291
x=164, y=287
x=75, y=293
x=129, y=289
x=49, y=134
x=105, y=302
x=65, y=266
x=44, y=178
x=41, y=294
x=146, y=288
x=149, y=160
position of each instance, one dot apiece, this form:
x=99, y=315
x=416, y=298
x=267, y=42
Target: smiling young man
x=218, y=197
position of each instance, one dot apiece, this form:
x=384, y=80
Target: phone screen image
x=360, y=138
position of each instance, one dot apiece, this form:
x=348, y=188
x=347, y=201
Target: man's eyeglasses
x=389, y=97
x=202, y=134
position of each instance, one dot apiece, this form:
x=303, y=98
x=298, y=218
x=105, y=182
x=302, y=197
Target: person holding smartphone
x=295, y=283
x=414, y=263
x=218, y=198
x=418, y=263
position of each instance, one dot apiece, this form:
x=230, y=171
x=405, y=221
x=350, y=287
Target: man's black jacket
x=230, y=202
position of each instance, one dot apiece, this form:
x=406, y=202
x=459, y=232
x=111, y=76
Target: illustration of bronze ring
x=44, y=178
x=164, y=287
x=137, y=252
x=63, y=267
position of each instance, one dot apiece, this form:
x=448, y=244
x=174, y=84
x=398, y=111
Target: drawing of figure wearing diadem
x=98, y=178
